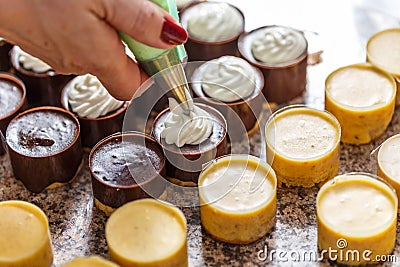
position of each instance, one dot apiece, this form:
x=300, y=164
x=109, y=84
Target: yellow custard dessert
x=92, y=261
x=147, y=232
x=237, y=198
x=383, y=50
x=362, y=98
x=303, y=145
x=389, y=162
x=24, y=235
x=357, y=215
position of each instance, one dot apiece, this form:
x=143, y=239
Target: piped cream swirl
x=181, y=129
x=89, y=98
x=30, y=62
x=228, y=79
x=278, y=44
x=214, y=21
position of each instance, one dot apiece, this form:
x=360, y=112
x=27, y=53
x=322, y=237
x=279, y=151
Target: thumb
x=145, y=22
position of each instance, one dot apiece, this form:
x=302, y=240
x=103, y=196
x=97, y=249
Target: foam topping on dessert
x=228, y=79
x=277, y=44
x=89, y=98
x=214, y=21
x=30, y=62
x=181, y=129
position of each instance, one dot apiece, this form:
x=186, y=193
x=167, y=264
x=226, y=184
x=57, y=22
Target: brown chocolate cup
x=5, y=120
x=40, y=171
x=113, y=190
x=93, y=130
x=283, y=81
x=242, y=112
x=42, y=89
x=185, y=164
x=5, y=48
x=202, y=50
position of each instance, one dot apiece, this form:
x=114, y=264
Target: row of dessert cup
x=266, y=212
x=137, y=229
x=216, y=29
x=360, y=100
x=257, y=209
x=45, y=87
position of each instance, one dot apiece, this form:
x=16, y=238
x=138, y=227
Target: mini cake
x=281, y=54
x=5, y=48
x=12, y=100
x=232, y=86
x=303, y=145
x=99, y=114
x=213, y=29
x=43, y=84
x=92, y=261
x=389, y=162
x=24, y=235
x=44, y=147
x=237, y=198
x=125, y=167
x=383, y=51
x=147, y=232
x=357, y=213
x=189, y=142
x=362, y=98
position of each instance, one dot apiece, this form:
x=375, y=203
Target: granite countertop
x=77, y=226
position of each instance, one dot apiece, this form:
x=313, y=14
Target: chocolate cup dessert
x=283, y=81
x=202, y=50
x=243, y=111
x=125, y=167
x=12, y=100
x=42, y=89
x=5, y=48
x=44, y=147
x=184, y=164
x=93, y=130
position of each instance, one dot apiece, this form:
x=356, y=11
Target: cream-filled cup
x=43, y=84
x=147, y=232
x=389, y=162
x=24, y=235
x=99, y=113
x=281, y=54
x=92, y=261
x=234, y=87
x=357, y=215
x=362, y=98
x=237, y=198
x=383, y=50
x=213, y=28
x=303, y=145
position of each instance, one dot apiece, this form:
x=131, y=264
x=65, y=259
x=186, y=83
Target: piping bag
x=168, y=63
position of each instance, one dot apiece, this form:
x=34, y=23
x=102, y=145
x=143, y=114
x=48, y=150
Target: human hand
x=79, y=36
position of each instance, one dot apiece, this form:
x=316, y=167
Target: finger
x=145, y=22
x=124, y=84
